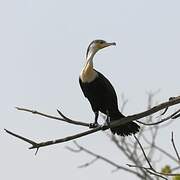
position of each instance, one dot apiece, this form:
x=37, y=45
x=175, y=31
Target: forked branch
x=150, y=169
x=105, y=127
x=100, y=157
x=63, y=117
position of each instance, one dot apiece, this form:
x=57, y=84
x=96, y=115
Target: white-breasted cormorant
x=100, y=93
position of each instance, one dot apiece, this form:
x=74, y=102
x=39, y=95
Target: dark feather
x=103, y=98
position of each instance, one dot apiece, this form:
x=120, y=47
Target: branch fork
x=117, y=123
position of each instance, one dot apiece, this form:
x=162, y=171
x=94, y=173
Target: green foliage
x=166, y=169
x=176, y=178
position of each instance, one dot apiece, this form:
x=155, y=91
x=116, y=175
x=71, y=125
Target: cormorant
x=100, y=93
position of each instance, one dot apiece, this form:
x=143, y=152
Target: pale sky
x=42, y=49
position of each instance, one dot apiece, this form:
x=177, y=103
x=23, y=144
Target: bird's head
x=96, y=45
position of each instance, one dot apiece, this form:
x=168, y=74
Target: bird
x=100, y=92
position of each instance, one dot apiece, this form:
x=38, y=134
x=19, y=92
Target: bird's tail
x=126, y=129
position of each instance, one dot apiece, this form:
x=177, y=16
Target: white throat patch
x=88, y=75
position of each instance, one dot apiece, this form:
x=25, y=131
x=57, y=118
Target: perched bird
x=100, y=93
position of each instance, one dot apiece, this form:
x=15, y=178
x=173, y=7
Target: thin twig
x=21, y=137
x=152, y=149
x=134, y=159
x=174, y=146
x=156, y=174
x=164, y=111
x=151, y=169
x=150, y=166
x=33, y=143
x=172, y=116
x=64, y=118
x=163, y=174
x=100, y=157
x=89, y=163
x=170, y=99
x=154, y=123
x=161, y=150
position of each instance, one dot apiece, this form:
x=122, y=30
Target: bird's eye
x=101, y=42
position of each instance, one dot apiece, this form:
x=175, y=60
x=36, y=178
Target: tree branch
x=161, y=150
x=172, y=116
x=150, y=166
x=150, y=169
x=100, y=157
x=113, y=124
x=56, y=141
x=64, y=118
x=174, y=146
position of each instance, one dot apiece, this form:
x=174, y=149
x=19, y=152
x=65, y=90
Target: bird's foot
x=107, y=122
x=93, y=125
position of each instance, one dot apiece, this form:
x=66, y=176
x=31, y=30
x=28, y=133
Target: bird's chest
x=97, y=96
x=95, y=90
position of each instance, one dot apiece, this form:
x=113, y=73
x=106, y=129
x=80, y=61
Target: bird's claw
x=93, y=125
x=106, y=123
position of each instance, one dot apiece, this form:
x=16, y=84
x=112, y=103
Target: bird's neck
x=89, y=61
x=88, y=74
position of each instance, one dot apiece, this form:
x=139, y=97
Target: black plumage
x=103, y=98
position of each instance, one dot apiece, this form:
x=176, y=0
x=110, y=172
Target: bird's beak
x=110, y=44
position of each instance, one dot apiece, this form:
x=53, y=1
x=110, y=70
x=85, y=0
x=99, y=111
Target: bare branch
x=153, y=110
x=161, y=121
x=113, y=124
x=132, y=156
x=150, y=166
x=154, y=123
x=174, y=146
x=155, y=172
x=73, y=150
x=137, y=159
x=170, y=99
x=100, y=157
x=150, y=170
x=36, y=145
x=21, y=137
x=64, y=118
x=146, y=113
x=174, y=117
x=89, y=163
x=161, y=150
